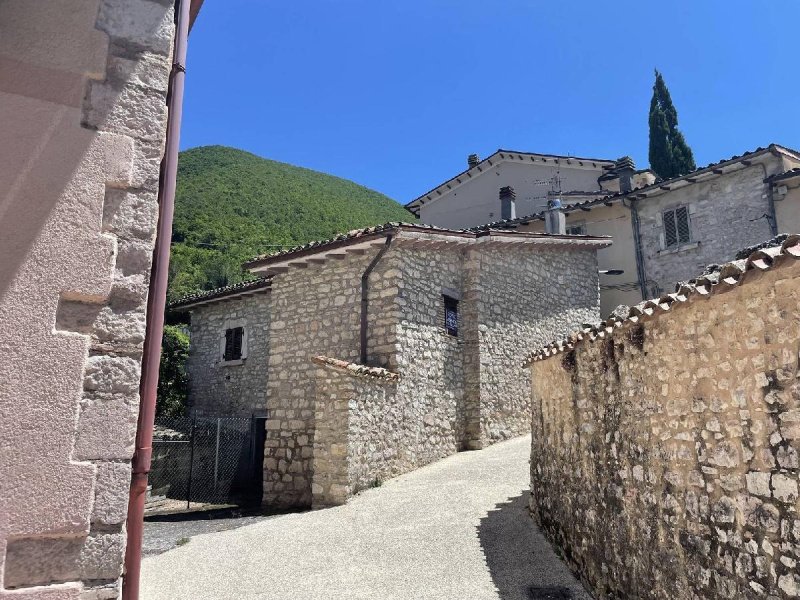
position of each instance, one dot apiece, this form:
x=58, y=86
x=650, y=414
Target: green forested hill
x=232, y=205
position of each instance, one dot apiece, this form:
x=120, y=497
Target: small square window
x=233, y=344
x=676, y=227
x=451, y=315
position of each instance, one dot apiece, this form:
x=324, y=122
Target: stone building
x=663, y=231
x=385, y=349
x=664, y=460
x=83, y=117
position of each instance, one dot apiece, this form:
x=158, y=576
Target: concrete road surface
x=455, y=530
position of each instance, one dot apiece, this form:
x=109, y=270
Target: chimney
x=625, y=168
x=473, y=160
x=554, y=219
x=508, y=208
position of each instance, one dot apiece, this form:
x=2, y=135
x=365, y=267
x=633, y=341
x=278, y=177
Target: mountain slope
x=232, y=205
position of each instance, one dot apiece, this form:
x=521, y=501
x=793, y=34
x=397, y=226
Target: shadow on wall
x=522, y=563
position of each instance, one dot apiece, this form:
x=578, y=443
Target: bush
x=173, y=382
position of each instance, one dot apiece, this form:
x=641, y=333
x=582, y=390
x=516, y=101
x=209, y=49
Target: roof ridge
x=729, y=276
x=257, y=283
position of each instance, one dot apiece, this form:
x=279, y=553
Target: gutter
x=156, y=305
x=641, y=274
x=365, y=297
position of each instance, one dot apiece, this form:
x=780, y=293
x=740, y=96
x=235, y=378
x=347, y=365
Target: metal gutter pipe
x=637, y=243
x=156, y=304
x=365, y=296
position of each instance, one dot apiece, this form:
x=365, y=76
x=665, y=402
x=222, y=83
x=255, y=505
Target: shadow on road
x=522, y=563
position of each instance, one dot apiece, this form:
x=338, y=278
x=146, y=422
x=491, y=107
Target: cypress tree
x=670, y=155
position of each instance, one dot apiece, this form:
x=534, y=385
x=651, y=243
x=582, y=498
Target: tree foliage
x=232, y=205
x=173, y=382
x=670, y=155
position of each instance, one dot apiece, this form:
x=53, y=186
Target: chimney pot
x=508, y=198
x=473, y=160
x=625, y=168
x=554, y=219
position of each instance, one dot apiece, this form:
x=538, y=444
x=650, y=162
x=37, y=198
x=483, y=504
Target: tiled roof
x=727, y=277
x=360, y=235
x=219, y=293
x=502, y=154
x=659, y=184
x=785, y=175
x=355, y=369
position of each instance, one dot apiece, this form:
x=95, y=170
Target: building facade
x=663, y=231
x=420, y=327
x=83, y=117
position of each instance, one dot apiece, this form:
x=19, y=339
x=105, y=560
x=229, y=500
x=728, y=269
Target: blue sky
x=395, y=95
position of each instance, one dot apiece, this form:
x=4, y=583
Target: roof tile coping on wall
x=659, y=186
x=728, y=277
x=355, y=369
x=243, y=288
x=359, y=239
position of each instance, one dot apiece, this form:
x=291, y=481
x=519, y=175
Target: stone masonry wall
x=361, y=436
x=526, y=296
x=725, y=214
x=664, y=461
x=83, y=117
x=316, y=310
x=235, y=388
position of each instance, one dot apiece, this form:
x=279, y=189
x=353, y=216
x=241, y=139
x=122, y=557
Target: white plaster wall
x=476, y=201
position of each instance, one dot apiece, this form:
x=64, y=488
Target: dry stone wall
x=664, y=461
x=234, y=388
x=526, y=296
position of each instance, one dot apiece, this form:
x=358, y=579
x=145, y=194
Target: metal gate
x=207, y=459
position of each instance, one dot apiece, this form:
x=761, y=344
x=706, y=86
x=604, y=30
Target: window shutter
x=682, y=222
x=228, y=345
x=670, y=231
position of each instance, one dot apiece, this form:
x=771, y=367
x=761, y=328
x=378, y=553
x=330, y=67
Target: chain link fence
x=206, y=459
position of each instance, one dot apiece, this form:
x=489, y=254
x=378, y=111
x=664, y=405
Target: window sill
x=231, y=363
x=681, y=248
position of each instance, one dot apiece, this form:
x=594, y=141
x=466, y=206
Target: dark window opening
x=451, y=315
x=233, y=343
x=576, y=229
x=676, y=227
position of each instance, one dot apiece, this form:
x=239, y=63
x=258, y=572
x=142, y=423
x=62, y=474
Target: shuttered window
x=451, y=315
x=676, y=227
x=233, y=343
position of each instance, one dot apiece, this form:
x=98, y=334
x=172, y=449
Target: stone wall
x=664, y=460
x=725, y=213
x=526, y=296
x=315, y=311
x=233, y=388
x=83, y=100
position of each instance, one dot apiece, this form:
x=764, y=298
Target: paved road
x=455, y=530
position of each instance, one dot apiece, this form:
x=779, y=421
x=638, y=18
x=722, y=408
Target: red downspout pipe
x=156, y=304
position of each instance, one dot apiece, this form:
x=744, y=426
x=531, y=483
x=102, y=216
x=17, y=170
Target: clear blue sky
x=395, y=95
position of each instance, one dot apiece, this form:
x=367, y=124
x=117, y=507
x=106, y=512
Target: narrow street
x=455, y=530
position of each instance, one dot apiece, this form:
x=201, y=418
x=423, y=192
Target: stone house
x=385, y=349
x=83, y=121
x=663, y=231
x=672, y=435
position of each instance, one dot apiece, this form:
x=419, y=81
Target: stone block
x=101, y=556
x=138, y=25
x=110, y=374
x=99, y=415
x=112, y=488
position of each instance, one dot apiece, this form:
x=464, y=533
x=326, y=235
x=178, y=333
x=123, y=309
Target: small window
x=576, y=229
x=233, y=344
x=676, y=227
x=451, y=315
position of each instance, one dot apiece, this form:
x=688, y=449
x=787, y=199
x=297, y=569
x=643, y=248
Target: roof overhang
x=506, y=156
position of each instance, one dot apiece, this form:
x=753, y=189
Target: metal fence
x=207, y=459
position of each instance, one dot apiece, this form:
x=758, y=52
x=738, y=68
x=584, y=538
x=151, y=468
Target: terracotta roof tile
x=219, y=293
x=726, y=278
x=355, y=369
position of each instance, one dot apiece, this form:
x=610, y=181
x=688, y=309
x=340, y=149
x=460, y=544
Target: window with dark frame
x=579, y=229
x=676, y=227
x=451, y=315
x=233, y=343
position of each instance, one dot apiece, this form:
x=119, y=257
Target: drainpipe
x=156, y=304
x=637, y=243
x=365, y=297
